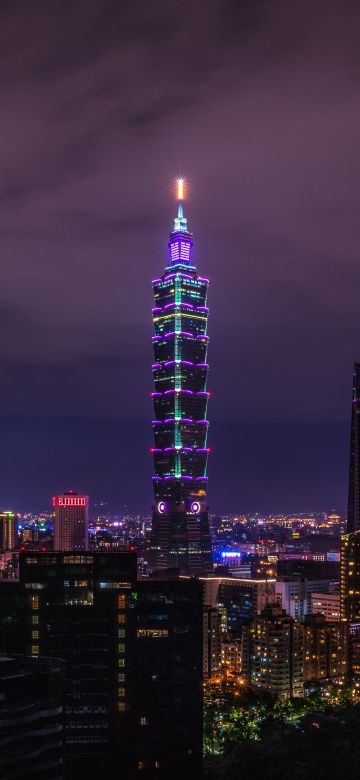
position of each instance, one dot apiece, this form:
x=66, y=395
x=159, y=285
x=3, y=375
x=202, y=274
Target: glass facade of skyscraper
x=180, y=532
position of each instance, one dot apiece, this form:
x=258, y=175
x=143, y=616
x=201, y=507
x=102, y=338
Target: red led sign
x=69, y=501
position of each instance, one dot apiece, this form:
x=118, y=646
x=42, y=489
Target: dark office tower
x=353, y=515
x=169, y=678
x=180, y=528
x=71, y=521
x=80, y=607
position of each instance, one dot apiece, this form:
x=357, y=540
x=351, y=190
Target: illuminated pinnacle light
x=180, y=183
x=180, y=222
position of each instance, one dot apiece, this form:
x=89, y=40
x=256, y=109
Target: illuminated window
x=121, y=632
x=121, y=693
x=121, y=677
x=153, y=633
x=121, y=662
x=121, y=706
x=35, y=634
x=121, y=648
x=115, y=585
x=144, y=721
x=122, y=601
x=34, y=586
x=141, y=765
x=34, y=649
x=35, y=619
x=121, y=619
x=35, y=602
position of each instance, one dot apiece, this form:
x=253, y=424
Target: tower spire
x=180, y=222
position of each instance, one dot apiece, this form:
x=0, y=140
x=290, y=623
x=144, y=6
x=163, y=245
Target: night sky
x=102, y=105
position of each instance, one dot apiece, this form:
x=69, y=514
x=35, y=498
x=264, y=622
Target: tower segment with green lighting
x=180, y=529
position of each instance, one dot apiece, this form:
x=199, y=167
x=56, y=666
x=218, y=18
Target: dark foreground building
x=350, y=543
x=180, y=528
x=132, y=656
x=80, y=607
x=31, y=718
x=168, y=695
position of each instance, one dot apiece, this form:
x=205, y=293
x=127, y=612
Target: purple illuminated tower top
x=180, y=529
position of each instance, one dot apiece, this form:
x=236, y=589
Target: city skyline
x=180, y=395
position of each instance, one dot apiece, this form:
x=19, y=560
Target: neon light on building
x=180, y=530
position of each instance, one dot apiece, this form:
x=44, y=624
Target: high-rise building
x=238, y=600
x=324, y=656
x=180, y=528
x=273, y=653
x=80, y=607
x=211, y=642
x=294, y=595
x=350, y=543
x=132, y=653
x=350, y=599
x=353, y=514
x=168, y=684
x=71, y=522
x=8, y=529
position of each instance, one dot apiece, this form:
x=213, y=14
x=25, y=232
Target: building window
x=35, y=634
x=34, y=649
x=121, y=619
x=34, y=586
x=35, y=619
x=121, y=677
x=121, y=693
x=115, y=585
x=121, y=633
x=121, y=662
x=152, y=633
x=121, y=648
x=144, y=721
x=121, y=706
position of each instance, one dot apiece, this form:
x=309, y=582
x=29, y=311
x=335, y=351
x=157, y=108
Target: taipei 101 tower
x=180, y=534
